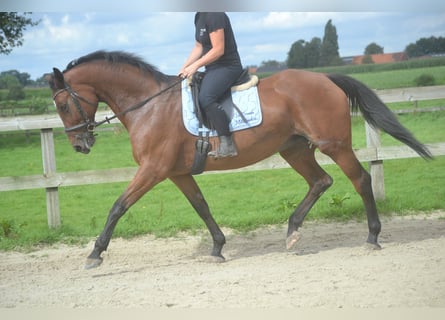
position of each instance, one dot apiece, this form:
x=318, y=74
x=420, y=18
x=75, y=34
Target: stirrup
x=218, y=155
x=225, y=149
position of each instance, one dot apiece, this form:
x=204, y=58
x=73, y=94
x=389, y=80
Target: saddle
x=244, y=82
x=203, y=146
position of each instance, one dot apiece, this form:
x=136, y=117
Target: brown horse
x=301, y=110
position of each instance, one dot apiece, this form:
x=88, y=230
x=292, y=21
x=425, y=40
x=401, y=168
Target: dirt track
x=329, y=268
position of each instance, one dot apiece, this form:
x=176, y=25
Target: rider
x=216, y=49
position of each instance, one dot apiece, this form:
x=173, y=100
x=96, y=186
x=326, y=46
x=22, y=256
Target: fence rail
x=51, y=180
x=67, y=179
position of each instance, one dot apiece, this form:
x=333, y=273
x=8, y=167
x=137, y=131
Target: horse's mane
x=119, y=57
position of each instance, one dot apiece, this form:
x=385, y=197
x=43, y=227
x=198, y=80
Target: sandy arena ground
x=330, y=267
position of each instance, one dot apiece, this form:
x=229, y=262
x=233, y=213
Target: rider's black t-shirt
x=208, y=22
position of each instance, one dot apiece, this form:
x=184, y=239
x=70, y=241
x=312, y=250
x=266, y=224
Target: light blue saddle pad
x=247, y=101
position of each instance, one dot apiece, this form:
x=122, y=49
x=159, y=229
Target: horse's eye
x=64, y=108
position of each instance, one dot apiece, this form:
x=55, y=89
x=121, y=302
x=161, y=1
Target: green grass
x=20, y=157
x=427, y=127
x=399, y=78
x=242, y=201
x=416, y=104
x=389, y=75
x=376, y=68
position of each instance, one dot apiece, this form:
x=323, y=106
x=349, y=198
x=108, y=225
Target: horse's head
x=76, y=105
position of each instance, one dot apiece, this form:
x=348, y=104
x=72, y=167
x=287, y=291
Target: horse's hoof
x=372, y=246
x=212, y=259
x=93, y=263
x=292, y=240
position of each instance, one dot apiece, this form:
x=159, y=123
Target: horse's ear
x=58, y=80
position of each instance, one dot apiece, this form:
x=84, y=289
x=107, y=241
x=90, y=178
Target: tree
x=426, y=46
x=270, y=63
x=304, y=54
x=329, y=55
x=7, y=81
x=313, y=51
x=271, y=66
x=7, y=78
x=12, y=25
x=373, y=48
x=296, y=57
x=42, y=82
x=12, y=83
x=413, y=51
x=23, y=77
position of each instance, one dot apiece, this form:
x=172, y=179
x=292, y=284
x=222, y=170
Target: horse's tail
x=376, y=113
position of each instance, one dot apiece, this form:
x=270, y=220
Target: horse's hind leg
x=300, y=156
x=361, y=180
x=188, y=186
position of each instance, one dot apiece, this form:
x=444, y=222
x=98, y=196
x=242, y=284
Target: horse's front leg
x=188, y=186
x=140, y=184
x=117, y=211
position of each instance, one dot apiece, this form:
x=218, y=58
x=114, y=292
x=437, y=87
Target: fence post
x=49, y=168
x=375, y=167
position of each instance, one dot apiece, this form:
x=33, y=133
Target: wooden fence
x=51, y=180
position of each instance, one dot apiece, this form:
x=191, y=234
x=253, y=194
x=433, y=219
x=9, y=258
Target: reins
x=91, y=125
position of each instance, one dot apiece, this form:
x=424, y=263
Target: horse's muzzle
x=84, y=142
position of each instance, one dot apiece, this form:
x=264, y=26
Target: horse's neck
x=119, y=90
x=125, y=92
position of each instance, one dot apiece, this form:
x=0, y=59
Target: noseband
x=91, y=125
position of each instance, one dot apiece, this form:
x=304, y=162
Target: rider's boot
x=218, y=117
x=226, y=148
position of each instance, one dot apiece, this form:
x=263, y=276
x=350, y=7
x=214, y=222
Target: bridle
x=90, y=125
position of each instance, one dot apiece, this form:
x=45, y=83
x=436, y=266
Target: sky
x=165, y=38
